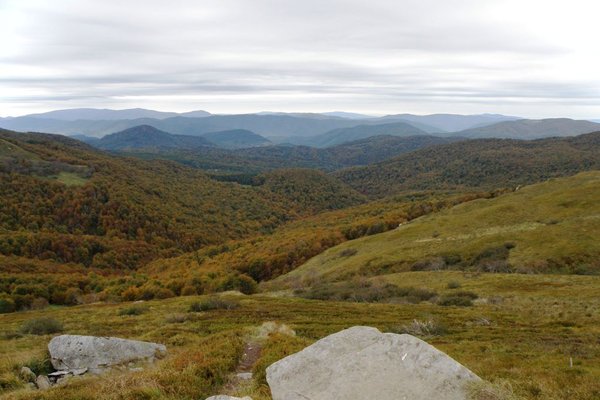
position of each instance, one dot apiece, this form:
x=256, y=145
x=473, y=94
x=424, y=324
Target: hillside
x=532, y=129
x=250, y=161
x=146, y=136
x=65, y=201
x=549, y=227
x=481, y=163
x=236, y=139
x=344, y=135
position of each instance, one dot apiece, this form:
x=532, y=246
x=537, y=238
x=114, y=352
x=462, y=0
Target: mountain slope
x=146, y=136
x=532, y=129
x=546, y=227
x=480, y=163
x=452, y=122
x=236, y=139
x=344, y=135
x=259, y=159
x=64, y=201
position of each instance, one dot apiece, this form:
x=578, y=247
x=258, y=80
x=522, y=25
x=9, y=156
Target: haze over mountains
x=310, y=129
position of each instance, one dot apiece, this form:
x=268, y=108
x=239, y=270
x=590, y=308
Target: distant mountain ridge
x=277, y=126
x=344, y=135
x=453, y=122
x=532, y=129
x=108, y=114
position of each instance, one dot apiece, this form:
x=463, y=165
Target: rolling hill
x=146, y=137
x=532, y=129
x=67, y=202
x=236, y=139
x=344, y=135
x=254, y=160
x=548, y=227
x=480, y=163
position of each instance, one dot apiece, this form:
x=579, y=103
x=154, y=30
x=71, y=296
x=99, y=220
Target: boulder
x=224, y=397
x=362, y=363
x=90, y=353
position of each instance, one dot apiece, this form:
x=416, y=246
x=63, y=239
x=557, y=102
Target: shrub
x=133, y=310
x=214, y=303
x=177, y=318
x=7, y=305
x=41, y=326
x=130, y=294
x=189, y=291
x=348, y=252
x=427, y=328
x=163, y=293
x=453, y=285
x=39, y=304
x=451, y=300
x=40, y=365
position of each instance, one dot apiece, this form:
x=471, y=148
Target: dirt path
x=243, y=373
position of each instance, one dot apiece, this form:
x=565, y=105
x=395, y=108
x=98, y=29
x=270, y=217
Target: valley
x=196, y=241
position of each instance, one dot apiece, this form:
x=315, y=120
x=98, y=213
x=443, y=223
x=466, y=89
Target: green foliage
x=133, y=310
x=366, y=291
x=41, y=326
x=214, y=303
x=481, y=163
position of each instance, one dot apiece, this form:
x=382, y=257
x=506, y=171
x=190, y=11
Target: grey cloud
x=345, y=52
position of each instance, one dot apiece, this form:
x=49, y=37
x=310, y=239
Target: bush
x=189, y=291
x=348, y=252
x=7, y=305
x=453, y=285
x=214, y=303
x=133, y=310
x=451, y=300
x=427, y=328
x=41, y=326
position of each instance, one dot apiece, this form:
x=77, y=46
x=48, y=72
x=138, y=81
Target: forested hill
x=62, y=200
x=255, y=160
x=481, y=163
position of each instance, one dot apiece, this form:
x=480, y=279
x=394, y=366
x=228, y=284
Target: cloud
x=239, y=56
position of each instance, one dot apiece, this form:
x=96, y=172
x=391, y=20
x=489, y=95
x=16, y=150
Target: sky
x=527, y=58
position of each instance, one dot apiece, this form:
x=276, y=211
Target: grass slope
x=549, y=227
x=507, y=341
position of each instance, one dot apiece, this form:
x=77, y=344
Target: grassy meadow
x=519, y=334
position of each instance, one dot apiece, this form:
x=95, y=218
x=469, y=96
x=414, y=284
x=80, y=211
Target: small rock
x=42, y=382
x=245, y=376
x=31, y=386
x=27, y=374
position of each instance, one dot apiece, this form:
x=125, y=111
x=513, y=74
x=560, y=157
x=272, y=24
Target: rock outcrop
x=363, y=363
x=76, y=353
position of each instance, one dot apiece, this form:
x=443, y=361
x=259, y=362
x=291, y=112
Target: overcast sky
x=521, y=57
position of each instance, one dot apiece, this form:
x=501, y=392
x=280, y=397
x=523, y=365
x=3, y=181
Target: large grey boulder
x=362, y=363
x=76, y=353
